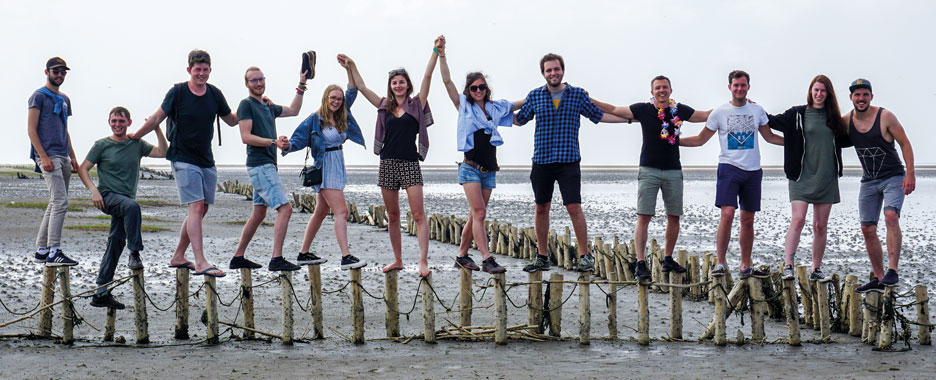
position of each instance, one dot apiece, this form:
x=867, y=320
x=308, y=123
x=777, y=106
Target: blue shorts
x=874, y=194
x=195, y=183
x=468, y=174
x=267, y=188
x=736, y=185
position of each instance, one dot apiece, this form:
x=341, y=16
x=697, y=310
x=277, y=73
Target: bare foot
x=424, y=270
x=393, y=267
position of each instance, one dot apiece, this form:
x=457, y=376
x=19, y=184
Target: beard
x=257, y=93
x=859, y=109
x=56, y=81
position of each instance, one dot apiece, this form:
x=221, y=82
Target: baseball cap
x=859, y=83
x=56, y=62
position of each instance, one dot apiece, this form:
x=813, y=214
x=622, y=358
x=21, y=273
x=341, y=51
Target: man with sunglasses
x=54, y=156
x=192, y=107
x=258, y=131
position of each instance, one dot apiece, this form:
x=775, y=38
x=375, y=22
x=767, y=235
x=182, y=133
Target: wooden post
x=851, y=305
x=816, y=310
x=428, y=310
x=614, y=274
x=758, y=308
x=212, y=310
x=392, y=300
x=315, y=288
x=182, y=303
x=695, y=292
x=109, y=324
x=287, y=288
x=247, y=302
x=140, y=320
x=675, y=298
x=643, y=315
x=555, y=304
x=719, y=337
x=500, y=310
x=707, y=276
x=535, y=297
x=887, y=317
x=68, y=308
x=872, y=317
x=585, y=309
x=790, y=309
x=806, y=294
x=464, y=296
x=822, y=303
x=357, y=307
x=922, y=308
x=48, y=297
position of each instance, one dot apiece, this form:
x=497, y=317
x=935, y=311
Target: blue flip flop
x=187, y=264
x=209, y=269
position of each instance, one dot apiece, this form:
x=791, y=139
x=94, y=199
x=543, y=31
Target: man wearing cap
x=52, y=152
x=884, y=182
x=191, y=107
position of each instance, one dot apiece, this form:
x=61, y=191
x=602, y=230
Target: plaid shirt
x=556, y=137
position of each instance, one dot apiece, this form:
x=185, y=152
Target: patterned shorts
x=399, y=174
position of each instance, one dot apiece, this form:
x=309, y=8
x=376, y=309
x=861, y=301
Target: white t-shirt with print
x=737, y=129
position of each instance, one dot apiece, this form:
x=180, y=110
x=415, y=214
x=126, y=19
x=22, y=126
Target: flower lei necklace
x=675, y=120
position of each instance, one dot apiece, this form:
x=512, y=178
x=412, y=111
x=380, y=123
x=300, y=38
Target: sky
x=130, y=53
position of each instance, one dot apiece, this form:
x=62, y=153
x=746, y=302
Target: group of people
x=812, y=135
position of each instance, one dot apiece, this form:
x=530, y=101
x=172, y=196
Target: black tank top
x=483, y=153
x=878, y=157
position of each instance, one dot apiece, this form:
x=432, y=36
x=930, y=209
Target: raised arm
x=517, y=104
x=427, y=77
x=698, y=140
x=900, y=135
x=447, y=77
x=622, y=112
x=151, y=123
x=769, y=136
x=85, y=176
x=699, y=116
x=296, y=104
x=347, y=62
x=159, y=151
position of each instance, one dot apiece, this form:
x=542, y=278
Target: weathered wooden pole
x=720, y=338
x=140, y=320
x=428, y=300
x=790, y=310
x=535, y=297
x=922, y=308
x=212, y=310
x=465, y=299
x=68, y=307
x=675, y=298
x=872, y=317
x=500, y=309
x=852, y=305
x=287, y=296
x=357, y=307
x=555, y=304
x=822, y=304
x=315, y=287
x=887, y=316
x=182, y=303
x=643, y=315
x=110, y=324
x=48, y=296
x=247, y=302
x=392, y=299
x=758, y=308
x=584, y=309
x=707, y=276
x=614, y=274
x=695, y=292
x=806, y=294
x=816, y=309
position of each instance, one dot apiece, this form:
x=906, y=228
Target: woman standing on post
x=400, y=120
x=814, y=136
x=478, y=119
x=324, y=132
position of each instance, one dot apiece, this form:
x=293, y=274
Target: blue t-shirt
x=53, y=134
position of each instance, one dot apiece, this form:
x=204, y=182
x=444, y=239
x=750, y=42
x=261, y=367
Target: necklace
x=674, y=120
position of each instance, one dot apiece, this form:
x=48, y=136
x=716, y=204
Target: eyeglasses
x=482, y=87
x=335, y=98
x=59, y=71
x=397, y=71
x=257, y=80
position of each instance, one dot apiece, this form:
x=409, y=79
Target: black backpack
x=173, y=115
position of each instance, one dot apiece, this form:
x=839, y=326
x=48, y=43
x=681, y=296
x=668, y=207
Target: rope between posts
x=18, y=313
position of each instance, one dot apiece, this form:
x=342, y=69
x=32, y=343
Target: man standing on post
x=556, y=157
x=258, y=132
x=52, y=151
x=660, y=169
x=884, y=182
x=118, y=166
x=739, y=170
x=192, y=107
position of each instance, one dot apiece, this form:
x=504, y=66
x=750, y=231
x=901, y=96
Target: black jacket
x=790, y=123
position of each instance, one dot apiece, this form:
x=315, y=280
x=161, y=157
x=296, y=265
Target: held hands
x=345, y=61
x=98, y=200
x=283, y=143
x=439, y=45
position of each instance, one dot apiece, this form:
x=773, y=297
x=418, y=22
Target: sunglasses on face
x=482, y=87
x=257, y=80
x=58, y=71
x=397, y=71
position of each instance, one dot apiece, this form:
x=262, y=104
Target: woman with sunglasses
x=400, y=120
x=324, y=132
x=477, y=137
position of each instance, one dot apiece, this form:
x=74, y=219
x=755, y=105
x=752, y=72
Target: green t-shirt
x=264, y=125
x=118, y=164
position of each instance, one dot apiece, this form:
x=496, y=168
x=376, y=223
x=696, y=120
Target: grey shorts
x=650, y=181
x=886, y=192
x=195, y=183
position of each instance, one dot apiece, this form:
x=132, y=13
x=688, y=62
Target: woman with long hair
x=324, y=132
x=813, y=139
x=477, y=137
x=401, y=122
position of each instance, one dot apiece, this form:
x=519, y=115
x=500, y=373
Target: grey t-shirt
x=53, y=135
x=557, y=96
x=264, y=125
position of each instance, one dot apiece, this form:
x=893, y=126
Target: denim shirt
x=309, y=132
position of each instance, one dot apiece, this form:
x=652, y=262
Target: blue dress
x=333, y=168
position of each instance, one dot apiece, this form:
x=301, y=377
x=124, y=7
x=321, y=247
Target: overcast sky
x=130, y=53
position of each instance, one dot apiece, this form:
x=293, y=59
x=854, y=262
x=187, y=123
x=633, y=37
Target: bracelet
x=437, y=51
x=303, y=87
x=300, y=91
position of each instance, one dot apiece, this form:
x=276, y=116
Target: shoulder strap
x=214, y=94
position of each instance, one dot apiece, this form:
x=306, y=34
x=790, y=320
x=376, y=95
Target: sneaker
x=351, y=262
x=279, y=264
x=750, y=271
x=106, y=300
x=872, y=286
x=40, y=257
x=540, y=263
x=241, y=262
x=816, y=275
x=586, y=264
x=890, y=278
x=465, y=262
x=135, y=262
x=787, y=272
x=58, y=259
x=670, y=265
x=642, y=272
x=309, y=258
x=719, y=270
x=491, y=266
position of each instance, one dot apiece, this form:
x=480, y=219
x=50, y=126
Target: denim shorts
x=651, y=180
x=195, y=183
x=734, y=184
x=468, y=174
x=267, y=188
x=873, y=194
